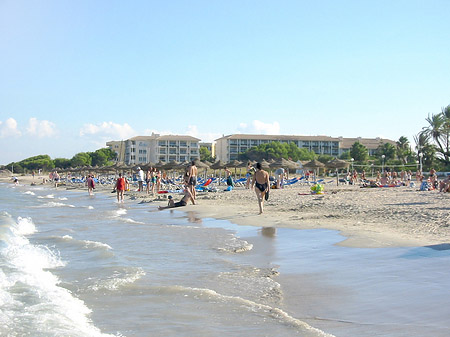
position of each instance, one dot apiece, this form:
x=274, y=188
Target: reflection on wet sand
x=269, y=232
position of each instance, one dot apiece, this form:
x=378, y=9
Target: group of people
x=259, y=181
x=190, y=181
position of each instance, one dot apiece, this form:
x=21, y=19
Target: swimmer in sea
x=261, y=182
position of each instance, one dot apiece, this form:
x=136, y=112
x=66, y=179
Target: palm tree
x=439, y=130
x=403, y=149
x=423, y=146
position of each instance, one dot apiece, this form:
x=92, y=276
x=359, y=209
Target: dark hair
x=120, y=174
x=193, y=162
x=258, y=166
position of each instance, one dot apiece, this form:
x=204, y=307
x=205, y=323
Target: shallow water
x=75, y=265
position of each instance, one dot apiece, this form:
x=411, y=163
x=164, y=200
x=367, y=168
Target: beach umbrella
x=218, y=165
x=234, y=163
x=337, y=164
x=284, y=163
x=159, y=165
x=314, y=164
x=265, y=164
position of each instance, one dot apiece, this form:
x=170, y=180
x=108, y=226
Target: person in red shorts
x=121, y=186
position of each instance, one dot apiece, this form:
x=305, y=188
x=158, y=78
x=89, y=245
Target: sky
x=76, y=74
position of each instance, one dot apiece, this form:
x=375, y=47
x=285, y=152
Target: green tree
x=438, y=130
x=388, y=150
x=359, y=152
x=276, y=150
x=61, y=162
x=403, y=149
x=102, y=157
x=427, y=149
x=205, y=154
x=37, y=162
x=81, y=159
x=345, y=155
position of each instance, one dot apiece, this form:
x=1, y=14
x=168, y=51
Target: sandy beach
x=368, y=217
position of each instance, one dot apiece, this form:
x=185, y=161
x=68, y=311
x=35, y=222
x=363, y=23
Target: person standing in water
x=121, y=186
x=90, y=183
x=261, y=183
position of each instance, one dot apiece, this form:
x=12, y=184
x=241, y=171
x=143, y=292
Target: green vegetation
x=276, y=150
x=205, y=154
x=432, y=149
x=100, y=157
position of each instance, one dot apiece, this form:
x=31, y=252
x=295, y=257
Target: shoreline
x=366, y=217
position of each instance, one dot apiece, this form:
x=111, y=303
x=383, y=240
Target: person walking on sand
x=192, y=179
x=261, y=183
x=249, y=174
x=90, y=183
x=121, y=186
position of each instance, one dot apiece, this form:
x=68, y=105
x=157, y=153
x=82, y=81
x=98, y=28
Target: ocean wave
x=54, y=204
x=252, y=306
x=87, y=243
x=235, y=245
x=29, y=193
x=118, y=280
x=30, y=296
x=128, y=220
x=48, y=196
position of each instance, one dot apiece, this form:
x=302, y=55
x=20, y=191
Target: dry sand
x=368, y=217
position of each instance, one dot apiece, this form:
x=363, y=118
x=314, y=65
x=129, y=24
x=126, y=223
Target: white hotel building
x=227, y=148
x=154, y=148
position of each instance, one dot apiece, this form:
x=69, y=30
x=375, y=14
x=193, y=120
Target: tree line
x=101, y=157
x=432, y=149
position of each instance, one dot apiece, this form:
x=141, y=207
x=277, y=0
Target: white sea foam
x=235, y=245
x=128, y=220
x=62, y=198
x=118, y=280
x=48, y=196
x=87, y=243
x=29, y=193
x=273, y=312
x=54, y=204
x=30, y=296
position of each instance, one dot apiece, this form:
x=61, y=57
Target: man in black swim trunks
x=261, y=182
x=182, y=202
x=192, y=179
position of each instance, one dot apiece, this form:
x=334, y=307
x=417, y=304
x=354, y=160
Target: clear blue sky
x=75, y=74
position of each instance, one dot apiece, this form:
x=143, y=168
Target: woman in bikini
x=261, y=182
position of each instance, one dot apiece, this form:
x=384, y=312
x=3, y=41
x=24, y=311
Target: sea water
x=79, y=265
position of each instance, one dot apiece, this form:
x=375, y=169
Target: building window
x=162, y=150
x=162, y=143
x=172, y=143
x=183, y=143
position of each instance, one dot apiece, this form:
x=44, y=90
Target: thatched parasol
x=337, y=164
x=218, y=165
x=284, y=163
x=264, y=164
x=314, y=164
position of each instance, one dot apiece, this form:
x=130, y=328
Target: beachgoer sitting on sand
x=444, y=185
x=182, y=202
